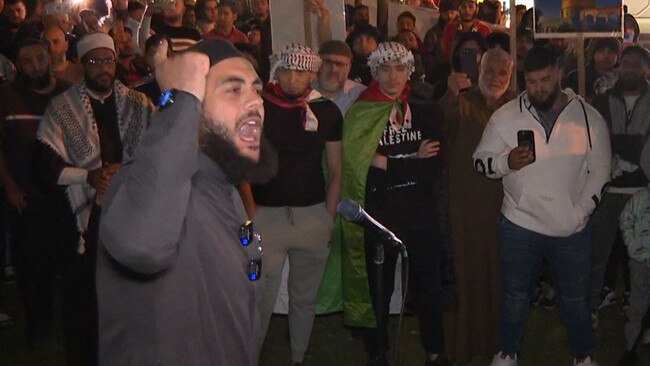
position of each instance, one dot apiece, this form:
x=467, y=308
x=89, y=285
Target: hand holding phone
x=468, y=64
x=457, y=82
x=524, y=153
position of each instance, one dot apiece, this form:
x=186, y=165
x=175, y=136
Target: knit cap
x=93, y=41
x=335, y=47
x=216, y=49
x=447, y=5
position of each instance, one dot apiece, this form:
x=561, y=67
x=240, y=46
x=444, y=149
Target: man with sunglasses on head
x=178, y=263
x=85, y=135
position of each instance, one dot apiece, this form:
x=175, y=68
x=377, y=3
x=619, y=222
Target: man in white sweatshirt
x=550, y=190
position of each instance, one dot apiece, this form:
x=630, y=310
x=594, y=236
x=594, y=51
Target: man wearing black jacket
x=625, y=108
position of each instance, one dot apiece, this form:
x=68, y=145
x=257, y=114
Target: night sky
x=551, y=8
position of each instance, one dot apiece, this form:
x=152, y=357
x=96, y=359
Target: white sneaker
x=586, y=362
x=504, y=360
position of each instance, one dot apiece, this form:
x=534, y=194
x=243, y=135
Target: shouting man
x=178, y=262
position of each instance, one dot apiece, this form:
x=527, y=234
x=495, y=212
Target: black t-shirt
x=21, y=111
x=110, y=142
x=300, y=181
x=404, y=195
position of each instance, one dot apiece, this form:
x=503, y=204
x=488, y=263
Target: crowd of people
x=166, y=162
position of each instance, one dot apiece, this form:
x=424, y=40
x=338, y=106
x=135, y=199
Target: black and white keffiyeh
x=69, y=128
x=391, y=51
x=295, y=56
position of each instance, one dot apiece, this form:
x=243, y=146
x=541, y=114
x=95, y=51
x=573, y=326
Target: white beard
x=489, y=92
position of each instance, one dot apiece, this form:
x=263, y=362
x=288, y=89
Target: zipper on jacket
x=548, y=135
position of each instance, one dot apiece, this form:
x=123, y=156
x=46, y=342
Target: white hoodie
x=555, y=195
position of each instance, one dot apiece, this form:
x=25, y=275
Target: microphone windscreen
x=348, y=209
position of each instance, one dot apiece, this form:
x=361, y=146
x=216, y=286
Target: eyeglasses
x=338, y=64
x=248, y=236
x=99, y=61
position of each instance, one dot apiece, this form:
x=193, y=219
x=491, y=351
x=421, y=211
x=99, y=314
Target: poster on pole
x=575, y=18
x=290, y=22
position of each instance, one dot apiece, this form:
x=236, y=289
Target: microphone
x=352, y=211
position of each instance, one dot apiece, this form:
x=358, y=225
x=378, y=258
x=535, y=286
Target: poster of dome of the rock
x=570, y=18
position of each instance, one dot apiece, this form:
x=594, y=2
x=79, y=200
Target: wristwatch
x=166, y=98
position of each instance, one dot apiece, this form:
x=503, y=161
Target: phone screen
x=526, y=139
x=468, y=64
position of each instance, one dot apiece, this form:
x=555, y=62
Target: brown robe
x=475, y=205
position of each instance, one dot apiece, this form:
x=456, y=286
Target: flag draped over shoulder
x=362, y=129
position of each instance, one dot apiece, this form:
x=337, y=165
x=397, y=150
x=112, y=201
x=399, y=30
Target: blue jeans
x=521, y=252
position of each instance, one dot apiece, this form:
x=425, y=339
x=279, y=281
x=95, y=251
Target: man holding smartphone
x=549, y=193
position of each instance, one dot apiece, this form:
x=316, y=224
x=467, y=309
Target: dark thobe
x=474, y=206
x=172, y=279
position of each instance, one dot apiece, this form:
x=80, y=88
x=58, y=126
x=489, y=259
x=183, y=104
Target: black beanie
x=217, y=50
x=366, y=29
x=600, y=43
x=335, y=47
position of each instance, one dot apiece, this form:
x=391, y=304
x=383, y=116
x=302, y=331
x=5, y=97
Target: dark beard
x=631, y=84
x=92, y=85
x=219, y=147
x=38, y=83
x=544, y=105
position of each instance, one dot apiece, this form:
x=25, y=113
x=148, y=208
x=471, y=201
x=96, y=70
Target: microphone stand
x=378, y=260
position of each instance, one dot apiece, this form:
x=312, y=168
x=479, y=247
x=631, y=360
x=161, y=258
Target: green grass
x=333, y=344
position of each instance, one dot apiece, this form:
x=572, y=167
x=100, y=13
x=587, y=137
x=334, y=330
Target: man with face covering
x=550, y=190
x=178, y=262
x=85, y=135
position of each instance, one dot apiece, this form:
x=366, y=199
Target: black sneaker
x=538, y=295
x=440, y=361
x=547, y=302
x=626, y=300
x=378, y=360
x=630, y=358
x=607, y=297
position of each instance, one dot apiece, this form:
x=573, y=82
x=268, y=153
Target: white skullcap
x=391, y=51
x=295, y=56
x=92, y=41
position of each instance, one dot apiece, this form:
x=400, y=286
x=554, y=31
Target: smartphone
x=526, y=139
x=468, y=64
